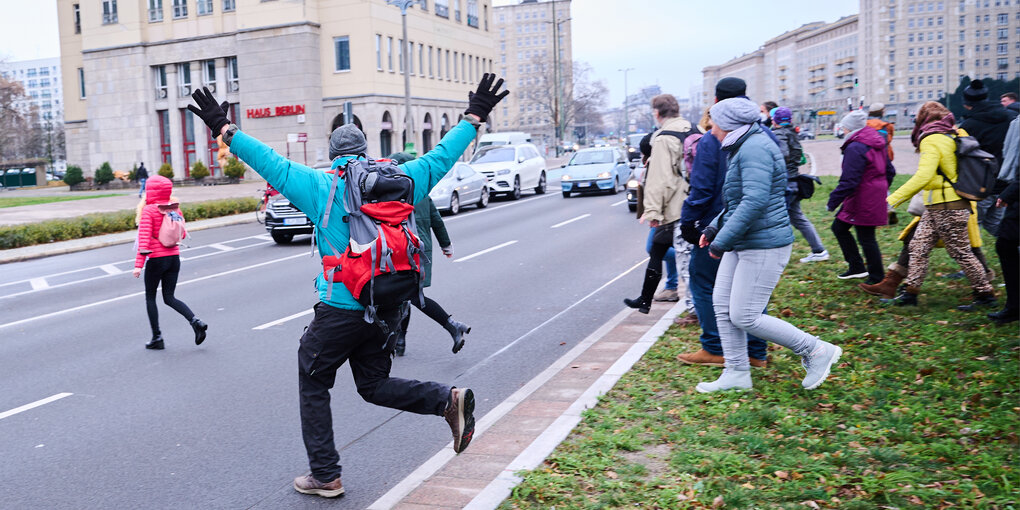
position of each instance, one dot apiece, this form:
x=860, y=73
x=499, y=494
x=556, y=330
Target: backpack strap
x=682, y=136
x=329, y=201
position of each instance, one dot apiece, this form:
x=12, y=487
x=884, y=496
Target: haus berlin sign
x=278, y=111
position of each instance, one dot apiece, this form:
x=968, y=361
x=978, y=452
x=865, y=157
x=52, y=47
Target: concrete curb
x=91, y=243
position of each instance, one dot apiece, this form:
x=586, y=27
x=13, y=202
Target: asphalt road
x=216, y=426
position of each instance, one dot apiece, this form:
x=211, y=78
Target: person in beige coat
x=665, y=189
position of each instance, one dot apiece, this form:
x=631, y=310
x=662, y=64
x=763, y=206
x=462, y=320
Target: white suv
x=511, y=168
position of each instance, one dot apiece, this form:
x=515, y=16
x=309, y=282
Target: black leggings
x=165, y=270
x=431, y=308
x=866, y=236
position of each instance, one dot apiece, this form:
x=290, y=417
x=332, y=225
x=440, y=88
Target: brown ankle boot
x=885, y=288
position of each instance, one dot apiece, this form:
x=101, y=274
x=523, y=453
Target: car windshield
x=592, y=157
x=634, y=140
x=493, y=154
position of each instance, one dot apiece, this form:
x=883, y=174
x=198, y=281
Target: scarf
x=945, y=125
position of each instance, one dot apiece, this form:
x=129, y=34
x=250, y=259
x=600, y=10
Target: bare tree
x=20, y=134
x=580, y=99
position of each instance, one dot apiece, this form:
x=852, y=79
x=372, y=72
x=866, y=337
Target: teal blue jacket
x=754, y=195
x=308, y=190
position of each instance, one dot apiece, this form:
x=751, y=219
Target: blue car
x=595, y=170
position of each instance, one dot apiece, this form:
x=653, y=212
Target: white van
x=507, y=138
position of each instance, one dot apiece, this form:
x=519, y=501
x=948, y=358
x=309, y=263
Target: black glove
x=690, y=233
x=709, y=233
x=483, y=100
x=214, y=115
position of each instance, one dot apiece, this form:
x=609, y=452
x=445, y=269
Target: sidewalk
x=523, y=430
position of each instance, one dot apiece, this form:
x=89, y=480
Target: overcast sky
x=667, y=42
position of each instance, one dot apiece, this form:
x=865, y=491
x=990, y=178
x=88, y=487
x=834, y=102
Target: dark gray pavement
x=216, y=426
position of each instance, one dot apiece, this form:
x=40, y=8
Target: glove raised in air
x=214, y=115
x=484, y=99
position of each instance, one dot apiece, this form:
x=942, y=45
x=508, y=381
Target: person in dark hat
x=988, y=122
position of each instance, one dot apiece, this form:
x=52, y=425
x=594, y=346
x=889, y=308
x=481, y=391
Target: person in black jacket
x=988, y=123
x=1007, y=246
x=142, y=175
x=1010, y=102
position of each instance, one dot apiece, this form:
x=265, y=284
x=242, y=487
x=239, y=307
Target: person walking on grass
x=945, y=214
x=754, y=240
x=987, y=122
x=1007, y=243
x=162, y=263
x=860, y=196
x=340, y=331
x=792, y=152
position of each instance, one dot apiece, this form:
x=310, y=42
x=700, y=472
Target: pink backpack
x=691, y=150
x=171, y=231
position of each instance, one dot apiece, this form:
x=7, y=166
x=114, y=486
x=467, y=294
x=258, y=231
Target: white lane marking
x=110, y=269
x=498, y=207
x=277, y=322
x=136, y=294
x=487, y=250
x=221, y=247
x=266, y=237
x=571, y=220
x=621, y=202
x=33, y=405
x=38, y=283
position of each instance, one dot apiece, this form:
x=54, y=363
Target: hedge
x=28, y=234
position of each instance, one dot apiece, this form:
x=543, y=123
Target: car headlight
x=565, y=177
x=633, y=183
x=631, y=149
x=503, y=172
x=603, y=175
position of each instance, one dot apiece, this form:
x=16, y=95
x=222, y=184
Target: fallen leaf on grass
x=782, y=475
x=810, y=504
x=612, y=474
x=786, y=312
x=717, y=502
x=747, y=485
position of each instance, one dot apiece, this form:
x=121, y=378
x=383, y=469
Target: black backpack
x=976, y=170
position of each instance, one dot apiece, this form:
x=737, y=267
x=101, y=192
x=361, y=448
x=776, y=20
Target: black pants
x=336, y=336
x=163, y=270
x=1009, y=257
x=430, y=308
x=662, y=241
x=866, y=236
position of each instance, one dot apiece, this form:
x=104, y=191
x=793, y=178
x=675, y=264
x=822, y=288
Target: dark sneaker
x=849, y=275
x=985, y=300
x=199, y=328
x=460, y=415
x=309, y=485
x=155, y=344
x=1004, y=316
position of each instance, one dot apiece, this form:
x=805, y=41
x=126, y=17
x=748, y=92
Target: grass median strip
x=17, y=236
x=20, y=201
x=922, y=411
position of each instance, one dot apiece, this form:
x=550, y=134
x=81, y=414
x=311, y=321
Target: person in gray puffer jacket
x=753, y=237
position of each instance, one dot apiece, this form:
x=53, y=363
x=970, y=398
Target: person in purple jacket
x=863, y=186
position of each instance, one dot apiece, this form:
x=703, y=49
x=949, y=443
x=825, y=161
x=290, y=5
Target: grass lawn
x=18, y=201
x=921, y=412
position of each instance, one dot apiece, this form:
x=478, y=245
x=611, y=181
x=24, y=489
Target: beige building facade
x=285, y=66
x=529, y=34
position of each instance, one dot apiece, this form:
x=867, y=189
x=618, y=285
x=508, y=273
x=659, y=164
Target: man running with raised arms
x=338, y=332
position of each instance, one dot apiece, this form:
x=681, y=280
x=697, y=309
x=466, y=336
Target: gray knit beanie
x=854, y=120
x=730, y=114
x=347, y=139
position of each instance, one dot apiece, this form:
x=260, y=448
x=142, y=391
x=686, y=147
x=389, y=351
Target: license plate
x=294, y=221
x=583, y=184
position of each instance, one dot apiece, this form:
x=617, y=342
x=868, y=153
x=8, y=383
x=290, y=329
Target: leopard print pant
x=951, y=227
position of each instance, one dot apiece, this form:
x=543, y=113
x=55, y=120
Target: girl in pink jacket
x=162, y=263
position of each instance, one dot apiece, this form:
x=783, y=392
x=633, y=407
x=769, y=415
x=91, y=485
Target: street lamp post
x=408, y=124
x=557, y=75
x=626, y=106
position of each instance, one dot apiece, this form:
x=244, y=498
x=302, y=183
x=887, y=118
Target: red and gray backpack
x=382, y=264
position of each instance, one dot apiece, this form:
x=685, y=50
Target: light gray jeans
x=743, y=287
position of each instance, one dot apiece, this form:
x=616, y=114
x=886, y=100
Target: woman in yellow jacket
x=946, y=214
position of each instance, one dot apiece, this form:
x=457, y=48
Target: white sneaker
x=729, y=380
x=816, y=257
x=819, y=363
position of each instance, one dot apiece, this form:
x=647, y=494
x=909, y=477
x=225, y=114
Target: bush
x=104, y=174
x=27, y=234
x=233, y=169
x=133, y=174
x=199, y=171
x=166, y=171
x=73, y=175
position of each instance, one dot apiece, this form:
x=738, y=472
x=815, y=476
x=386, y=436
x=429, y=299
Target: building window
x=389, y=52
x=342, y=48
x=163, y=119
x=442, y=8
x=463, y=67
x=203, y=7
x=410, y=57
x=1003, y=19
x=456, y=10
x=229, y=5
x=159, y=74
x=209, y=74
x=184, y=79
x=81, y=83
x=892, y=98
x=485, y=16
x=77, y=18
x=421, y=59
x=400, y=55
x=180, y=9
x=188, y=136
x=233, y=84
x=1002, y=48
x=109, y=11
x=430, y=63
x=892, y=26
x=155, y=10
x=456, y=68
x=447, y=65
x=472, y=13
x=378, y=52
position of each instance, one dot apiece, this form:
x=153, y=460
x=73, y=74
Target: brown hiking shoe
x=885, y=288
x=309, y=485
x=702, y=357
x=758, y=363
x=691, y=319
x=667, y=295
x=460, y=415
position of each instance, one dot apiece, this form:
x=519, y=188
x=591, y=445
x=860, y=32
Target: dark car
x=284, y=221
x=806, y=134
x=633, y=152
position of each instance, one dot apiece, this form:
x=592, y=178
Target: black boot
x=906, y=298
x=981, y=300
x=156, y=343
x=199, y=328
x=643, y=303
x=1004, y=316
x=457, y=330
x=400, y=344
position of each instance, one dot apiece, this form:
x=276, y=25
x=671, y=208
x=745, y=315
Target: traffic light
x=855, y=82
